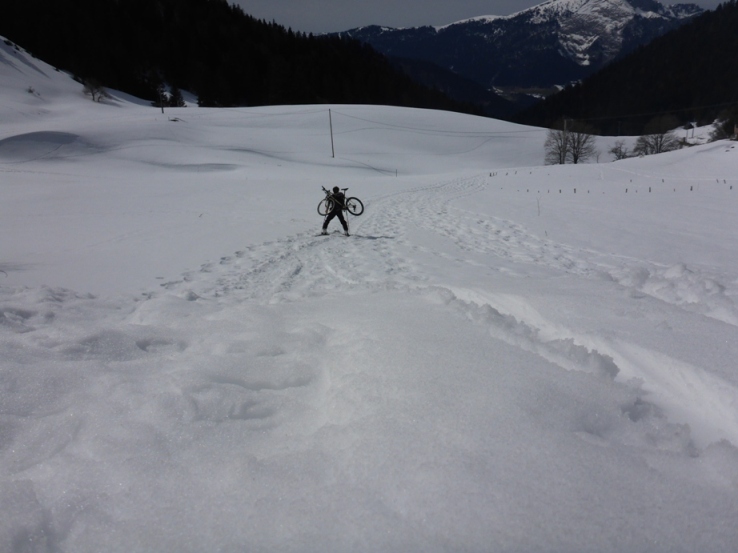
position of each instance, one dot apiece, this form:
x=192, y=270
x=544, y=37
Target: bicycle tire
x=324, y=207
x=354, y=206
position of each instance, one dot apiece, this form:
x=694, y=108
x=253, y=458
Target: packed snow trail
x=376, y=259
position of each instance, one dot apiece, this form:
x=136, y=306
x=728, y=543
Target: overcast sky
x=320, y=16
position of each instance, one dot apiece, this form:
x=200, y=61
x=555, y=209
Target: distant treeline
x=209, y=48
x=690, y=73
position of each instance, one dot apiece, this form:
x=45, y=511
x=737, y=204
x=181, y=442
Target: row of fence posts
x=691, y=187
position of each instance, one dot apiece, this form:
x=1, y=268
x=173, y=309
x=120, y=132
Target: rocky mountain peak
x=548, y=45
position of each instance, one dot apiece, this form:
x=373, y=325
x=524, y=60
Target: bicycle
x=353, y=205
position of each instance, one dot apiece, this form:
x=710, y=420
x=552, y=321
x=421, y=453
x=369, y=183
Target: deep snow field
x=504, y=356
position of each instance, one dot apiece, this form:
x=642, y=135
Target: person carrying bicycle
x=338, y=200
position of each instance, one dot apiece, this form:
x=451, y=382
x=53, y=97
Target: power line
x=439, y=132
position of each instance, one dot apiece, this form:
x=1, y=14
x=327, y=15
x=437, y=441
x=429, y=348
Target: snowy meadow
x=504, y=356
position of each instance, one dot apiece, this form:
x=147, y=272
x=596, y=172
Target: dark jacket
x=339, y=201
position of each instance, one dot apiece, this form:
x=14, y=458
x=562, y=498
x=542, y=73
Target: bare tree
x=659, y=136
x=557, y=144
x=619, y=150
x=581, y=142
x=162, y=97
x=569, y=141
x=96, y=90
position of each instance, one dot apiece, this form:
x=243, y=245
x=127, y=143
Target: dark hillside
x=690, y=73
x=210, y=48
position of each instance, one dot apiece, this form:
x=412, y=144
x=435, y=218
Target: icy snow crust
x=503, y=356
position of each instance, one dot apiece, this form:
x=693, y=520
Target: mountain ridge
x=545, y=46
x=687, y=74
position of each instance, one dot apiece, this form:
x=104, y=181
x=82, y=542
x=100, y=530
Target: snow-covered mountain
x=550, y=44
x=596, y=31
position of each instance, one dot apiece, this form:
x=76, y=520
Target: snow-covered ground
x=503, y=357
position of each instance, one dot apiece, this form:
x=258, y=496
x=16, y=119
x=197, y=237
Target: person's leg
x=343, y=222
x=328, y=219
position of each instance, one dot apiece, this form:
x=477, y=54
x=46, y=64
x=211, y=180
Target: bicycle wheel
x=324, y=207
x=354, y=206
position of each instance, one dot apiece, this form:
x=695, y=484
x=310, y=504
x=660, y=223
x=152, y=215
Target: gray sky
x=319, y=16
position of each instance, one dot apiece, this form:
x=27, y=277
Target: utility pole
x=330, y=121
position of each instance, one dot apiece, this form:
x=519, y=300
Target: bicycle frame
x=352, y=205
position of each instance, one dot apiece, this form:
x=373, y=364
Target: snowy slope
x=504, y=356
